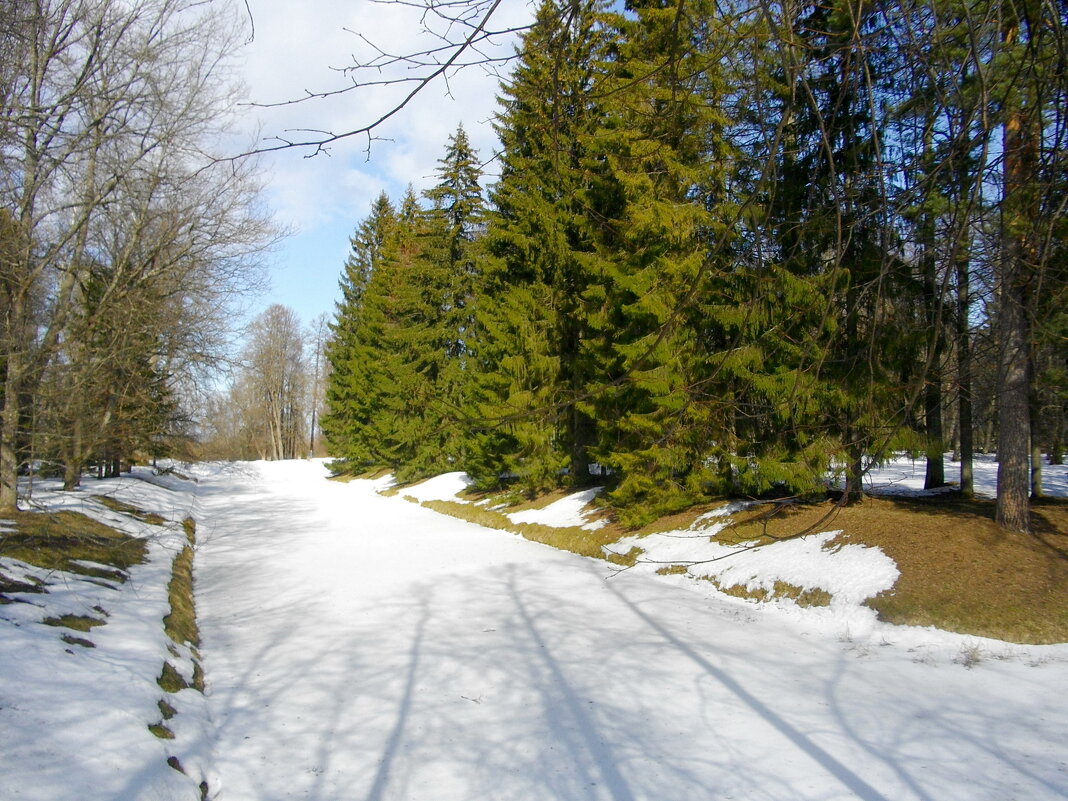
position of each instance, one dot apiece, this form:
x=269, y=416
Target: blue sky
x=322, y=199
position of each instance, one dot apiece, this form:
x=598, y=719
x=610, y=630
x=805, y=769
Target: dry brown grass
x=76, y=622
x=373, y=474
x=672, y=570
x=571, y=538
x=115, y=505
x=959, y=570
x=189, y=526
x=61, y=540
x=814, y=596
x=181, y=622
x=679, y=521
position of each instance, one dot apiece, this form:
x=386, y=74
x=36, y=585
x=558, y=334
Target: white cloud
x=324, y=197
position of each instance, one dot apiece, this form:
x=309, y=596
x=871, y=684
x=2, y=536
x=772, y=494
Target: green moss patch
x=170, y=680
x=76, y=622
x=70, y=639
x=181, y=623
x=115, y=505
x=68, y=540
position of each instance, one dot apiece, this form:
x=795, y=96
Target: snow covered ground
x=73, y=719
x=905, y=475
x=364, y=647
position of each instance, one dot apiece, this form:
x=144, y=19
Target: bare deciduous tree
x=274, y=371
x=109, y=111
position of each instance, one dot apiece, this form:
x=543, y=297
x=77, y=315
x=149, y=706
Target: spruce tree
x=399, y=308
x=533, y=362
x=446, y=340
x=832, y=227
x=403, y=334
x=349, y=391
x=662, y=238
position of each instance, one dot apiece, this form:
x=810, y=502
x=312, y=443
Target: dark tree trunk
x=72, y=464
x=964, y=378
x=1036, y=450
x=854, y=489
x=932, y=395
x=1014, y=403
x=1014, y=331
x=9, y=432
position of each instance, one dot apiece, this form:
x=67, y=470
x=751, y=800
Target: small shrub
x=969, y=656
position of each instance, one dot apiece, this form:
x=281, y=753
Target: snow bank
x=439, y=488
x=849, y=573
x=358, y=646
x=75, y=718
x=363, y=647
x=566, y=512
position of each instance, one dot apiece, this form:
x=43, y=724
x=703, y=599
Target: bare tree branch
x=462, y=30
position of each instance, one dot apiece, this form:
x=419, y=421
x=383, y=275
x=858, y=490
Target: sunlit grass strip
x=189, y=526
x=584, y=542
x=115, y=505
x=62, y=540
x=181, y=623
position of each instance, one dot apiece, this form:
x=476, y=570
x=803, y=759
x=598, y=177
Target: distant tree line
x=732, y=248
x=122, y=240
x=270, y=408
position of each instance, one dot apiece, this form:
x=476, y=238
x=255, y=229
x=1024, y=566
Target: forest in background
x=730, y=249
x=723, y=249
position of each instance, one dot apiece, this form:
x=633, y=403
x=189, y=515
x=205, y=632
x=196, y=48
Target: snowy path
x=363, y=648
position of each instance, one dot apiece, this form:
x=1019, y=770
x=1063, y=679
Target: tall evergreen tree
x=833, y=225
x=449, y=271
x=533, y=364
x=349, y=386
x=662, y=243
x=403, y=335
